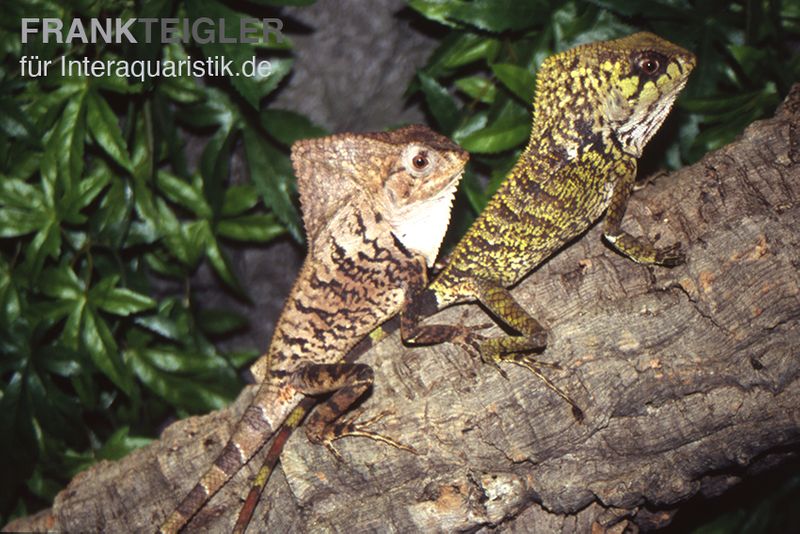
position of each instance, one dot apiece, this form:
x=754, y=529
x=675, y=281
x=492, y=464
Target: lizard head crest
x=409, y=176
x=621, y=89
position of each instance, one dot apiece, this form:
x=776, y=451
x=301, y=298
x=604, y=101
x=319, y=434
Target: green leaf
x=92, y=185
x=175, y=236
x=163, y=326
x=19, y=446
x=460, y=49
x=116, y=84
x=257, y=227
x=9, y=297
x=195, y=236
x=215, y=166
x=143, y=161
x=472, y=187
x=173, y=360
x=105, y=129
x=440, y=103
x=490, y=15
x=182, y=89
x=99, y=341
x=121, y=444
x=239, y=199
x=271, y=172
x=500, y=136
x=288, y=126
x=517, y=79
x=62, y=283
x=46, y=243
x=436, y=10
x=111, y=222
x=46, y=107
x=184, y=194
x=17, y=222
x=69, y=140
x=70, y=335
x=478, y=88
x=269, y=78
x=152, y=366
x=252, y=88
x=221, y=264
x=220, y=322
x=121, y=301
x=14, y=123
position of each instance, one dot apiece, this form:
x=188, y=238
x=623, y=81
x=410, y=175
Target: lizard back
x=596, y=106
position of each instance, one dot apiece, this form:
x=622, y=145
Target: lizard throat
x=421, y=226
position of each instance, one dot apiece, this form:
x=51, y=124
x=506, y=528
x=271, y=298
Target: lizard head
x=407, y=177
x=417, y=193
x=621, y=89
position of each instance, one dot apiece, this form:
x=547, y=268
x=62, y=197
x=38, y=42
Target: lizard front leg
x=348, y=382
x=635, y=248
x=516, y=349
x=499, y=301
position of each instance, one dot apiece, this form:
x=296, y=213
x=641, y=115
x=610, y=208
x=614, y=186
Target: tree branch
x=688, y=377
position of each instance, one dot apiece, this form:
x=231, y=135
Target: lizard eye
x=420, y=161
x=648, y=65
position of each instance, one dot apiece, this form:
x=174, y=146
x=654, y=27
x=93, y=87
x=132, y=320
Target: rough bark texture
x=690, y=379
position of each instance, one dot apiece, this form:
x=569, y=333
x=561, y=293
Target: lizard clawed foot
x=670, y=256
x=350, y=428
x=472, y=343
x=532, y=365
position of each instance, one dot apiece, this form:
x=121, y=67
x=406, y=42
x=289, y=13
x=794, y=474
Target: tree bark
x=689, y=379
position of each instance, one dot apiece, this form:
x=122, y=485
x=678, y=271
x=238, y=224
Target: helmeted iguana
x=375, y=209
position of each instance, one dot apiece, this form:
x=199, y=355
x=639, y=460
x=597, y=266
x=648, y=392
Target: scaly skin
x=364, y=197
x=596, y=107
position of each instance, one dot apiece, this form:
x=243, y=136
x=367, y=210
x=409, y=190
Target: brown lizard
x=595, y=108
x=375, y=209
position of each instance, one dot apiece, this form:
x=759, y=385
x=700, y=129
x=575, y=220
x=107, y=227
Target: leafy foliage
x=478, y=84
x=97, y=203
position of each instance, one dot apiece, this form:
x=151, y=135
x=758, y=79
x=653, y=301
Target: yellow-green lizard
x=596, y=106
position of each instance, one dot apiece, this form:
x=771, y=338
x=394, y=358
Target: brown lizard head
x=621, y=90
x=407, y=177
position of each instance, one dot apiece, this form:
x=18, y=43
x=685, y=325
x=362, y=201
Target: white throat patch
x=420, y=227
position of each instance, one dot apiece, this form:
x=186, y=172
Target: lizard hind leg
x=516, y=349
x=347, y=382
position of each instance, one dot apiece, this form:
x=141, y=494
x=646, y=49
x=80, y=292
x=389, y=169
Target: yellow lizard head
x=621, y=90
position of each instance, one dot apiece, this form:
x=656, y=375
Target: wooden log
x=688, y=378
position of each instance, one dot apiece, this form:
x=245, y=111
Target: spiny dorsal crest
x=617, y=90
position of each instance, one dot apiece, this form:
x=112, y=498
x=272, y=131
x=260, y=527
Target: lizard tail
x=294, y=420
x=260, y=419
x=270, y=461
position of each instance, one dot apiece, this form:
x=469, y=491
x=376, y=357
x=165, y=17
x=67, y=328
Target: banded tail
x=270, y=461
x=258, y=424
